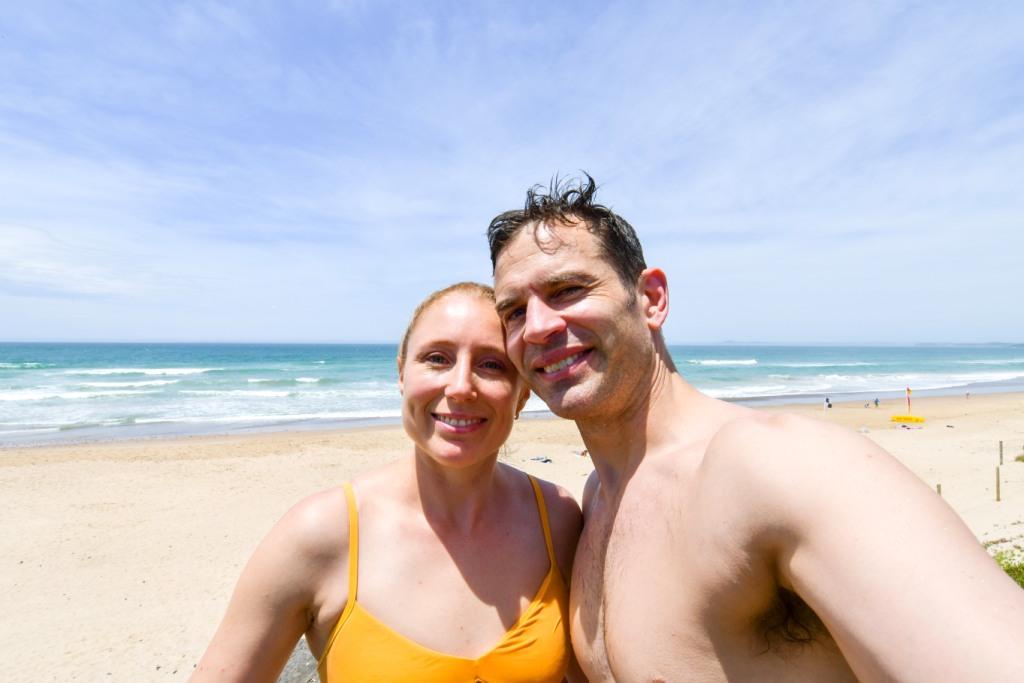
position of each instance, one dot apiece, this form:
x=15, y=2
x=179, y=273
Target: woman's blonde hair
x=475, y=288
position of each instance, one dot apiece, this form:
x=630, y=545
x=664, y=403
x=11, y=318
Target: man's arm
x=271, y=606
x=902, y=584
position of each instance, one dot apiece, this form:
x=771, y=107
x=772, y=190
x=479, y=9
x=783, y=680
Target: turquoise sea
x=80, y=392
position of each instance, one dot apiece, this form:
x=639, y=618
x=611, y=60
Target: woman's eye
x=494, y=365
x=435, y=359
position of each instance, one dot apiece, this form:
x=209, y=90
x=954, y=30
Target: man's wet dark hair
x=566, y=201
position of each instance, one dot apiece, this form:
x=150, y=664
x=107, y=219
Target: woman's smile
x=459, y=423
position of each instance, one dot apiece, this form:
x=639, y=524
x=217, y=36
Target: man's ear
x=653, y=291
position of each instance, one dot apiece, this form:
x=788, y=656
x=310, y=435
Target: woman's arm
x=275, y=599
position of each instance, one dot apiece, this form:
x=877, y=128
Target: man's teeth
x=564, y=363
x=459, y=422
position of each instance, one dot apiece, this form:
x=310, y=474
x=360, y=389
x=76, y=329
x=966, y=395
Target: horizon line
x=727, y=342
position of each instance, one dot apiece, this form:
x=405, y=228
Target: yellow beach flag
x=909, y=417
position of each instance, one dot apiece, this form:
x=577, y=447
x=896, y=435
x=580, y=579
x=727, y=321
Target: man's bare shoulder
x=781, y=441
x=846, y=525
x=789, y=463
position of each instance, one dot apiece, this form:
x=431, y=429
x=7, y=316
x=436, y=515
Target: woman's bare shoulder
x=565, y=520
x=319, y=522
x=315, y=528
x=560, y=503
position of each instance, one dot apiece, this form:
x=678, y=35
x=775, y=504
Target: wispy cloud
x=34, y=263
x=178, y=170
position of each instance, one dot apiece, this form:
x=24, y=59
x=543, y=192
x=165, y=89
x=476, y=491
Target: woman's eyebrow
x=435, y=343
x=447, y=344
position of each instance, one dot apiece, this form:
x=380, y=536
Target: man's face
x=571, y=328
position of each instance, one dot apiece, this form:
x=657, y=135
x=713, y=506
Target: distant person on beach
x=876, y=401
x=442, y=566
x=723, y=543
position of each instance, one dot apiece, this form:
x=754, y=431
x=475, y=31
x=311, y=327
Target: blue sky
x=308, y=171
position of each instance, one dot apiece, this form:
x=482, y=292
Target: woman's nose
x=460, y=382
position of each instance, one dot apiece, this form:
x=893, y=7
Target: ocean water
x=81, y=392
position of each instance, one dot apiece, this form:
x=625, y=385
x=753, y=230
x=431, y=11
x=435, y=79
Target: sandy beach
x=117, y=559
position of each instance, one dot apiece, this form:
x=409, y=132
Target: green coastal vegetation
x=1012, y=561
x=1013, y=564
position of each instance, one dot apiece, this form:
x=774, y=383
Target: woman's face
x=460, y=393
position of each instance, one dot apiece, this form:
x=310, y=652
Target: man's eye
x=514, y=314
x=568, y=291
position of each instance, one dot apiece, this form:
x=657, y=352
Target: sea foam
x=724, y=361
x=1007, y=361
x=141, y=383
x=265, y=393
x=45, y=394
x=139, y=371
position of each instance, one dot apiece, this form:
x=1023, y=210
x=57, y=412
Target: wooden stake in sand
x=998, y=497
x=1000, y=452
x=938, y=489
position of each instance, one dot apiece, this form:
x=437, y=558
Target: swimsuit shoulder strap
x=353, y=548
x=543, y=511
x=353, y=574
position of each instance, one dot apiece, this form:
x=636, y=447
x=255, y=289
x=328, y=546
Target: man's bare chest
x=662, y=592
x=628, y=599
x=586, y=601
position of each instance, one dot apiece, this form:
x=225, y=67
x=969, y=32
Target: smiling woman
x=442, y=566
x=459, y=390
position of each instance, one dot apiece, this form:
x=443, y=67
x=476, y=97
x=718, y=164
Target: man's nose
x=460, y=385
x=542, y=321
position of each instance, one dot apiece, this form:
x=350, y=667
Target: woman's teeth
x=460, y=422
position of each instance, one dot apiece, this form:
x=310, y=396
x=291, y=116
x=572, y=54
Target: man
x=721, y=543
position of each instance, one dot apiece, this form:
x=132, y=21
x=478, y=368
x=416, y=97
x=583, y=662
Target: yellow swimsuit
x=535, y=650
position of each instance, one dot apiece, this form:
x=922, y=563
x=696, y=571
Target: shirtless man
x=722, y=543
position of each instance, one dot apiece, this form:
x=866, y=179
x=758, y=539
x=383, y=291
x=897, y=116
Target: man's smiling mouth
x=562, y=364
